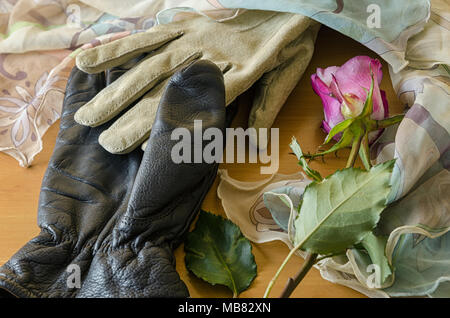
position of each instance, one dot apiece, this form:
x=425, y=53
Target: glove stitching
x=136, y=46
x=138, y=134
x=161, y=72
x=255, y=75
x=136, y=89
x=254, y=26
x=130, y=141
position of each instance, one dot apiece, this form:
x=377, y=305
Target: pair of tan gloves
x=268, y=49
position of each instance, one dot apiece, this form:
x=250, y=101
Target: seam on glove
x=143, y=133
x=254, y=26
x=261, y=71
x=110, y=57
x=133, y=92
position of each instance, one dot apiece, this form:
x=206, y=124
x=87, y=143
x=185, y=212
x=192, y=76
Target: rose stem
x=354, y=152
x=310, y=259
x=292, y=283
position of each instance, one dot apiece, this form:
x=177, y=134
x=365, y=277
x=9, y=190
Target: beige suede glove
x=269, y=48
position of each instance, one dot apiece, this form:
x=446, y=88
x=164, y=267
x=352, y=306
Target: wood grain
x=300, y=117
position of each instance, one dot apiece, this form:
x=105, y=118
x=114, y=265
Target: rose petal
x=335, y=90
x=374, y=135
x=349, y=85
x=331, y=106
x=354, y=76
x=326, y=75
x=325, y=126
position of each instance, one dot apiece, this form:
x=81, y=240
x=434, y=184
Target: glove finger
x=80, y=88
x=230, y=111
x=166, y=195
x=80, y=173
x=112, y=74
x=132, y=85
x=83, y=187
x=134, y=126
x=115, y=53
x=275, y=86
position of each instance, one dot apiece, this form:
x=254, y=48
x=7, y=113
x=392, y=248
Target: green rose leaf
x=342, y=209
x=217, y=252
x=338, y=129
x=340, y=212
x=345, y=141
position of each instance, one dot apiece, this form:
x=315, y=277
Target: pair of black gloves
x=109, y=223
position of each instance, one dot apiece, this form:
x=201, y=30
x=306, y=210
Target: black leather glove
x=118, y=217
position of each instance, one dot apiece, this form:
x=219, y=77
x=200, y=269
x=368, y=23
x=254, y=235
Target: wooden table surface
x=300, y=117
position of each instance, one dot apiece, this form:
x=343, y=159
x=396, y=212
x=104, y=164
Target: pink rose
x=344, y=90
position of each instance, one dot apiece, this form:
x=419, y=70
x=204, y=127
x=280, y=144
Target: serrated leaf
x=217, y=252
x=342, y=209
x=315, y=175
